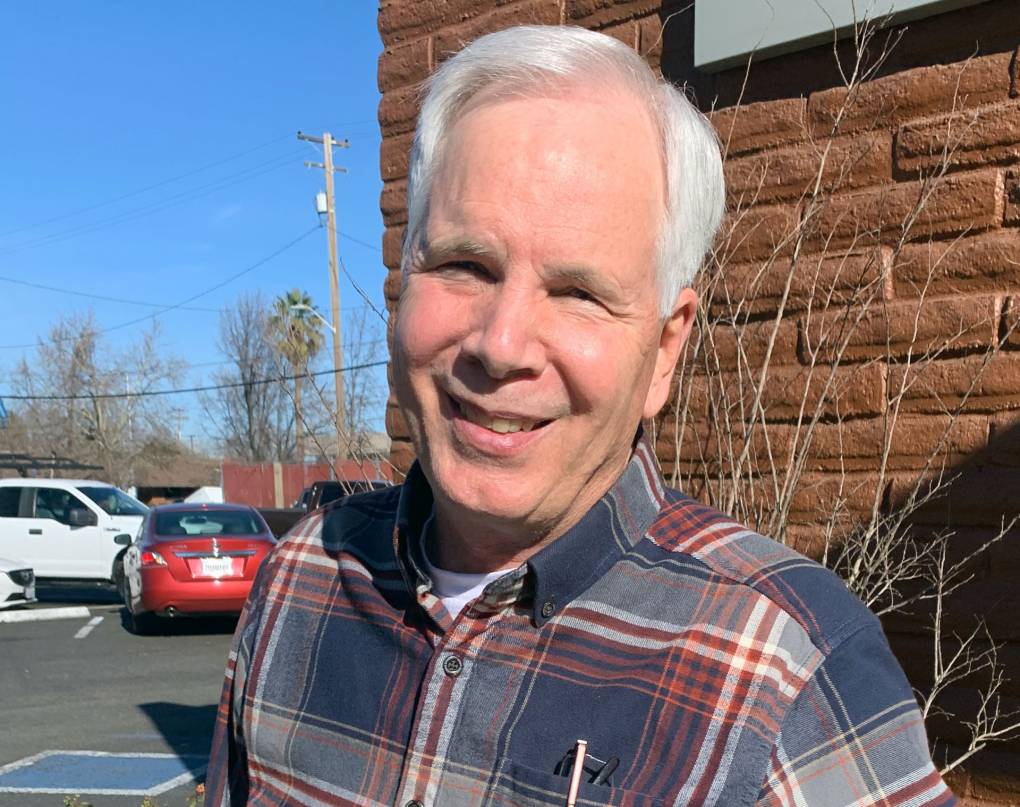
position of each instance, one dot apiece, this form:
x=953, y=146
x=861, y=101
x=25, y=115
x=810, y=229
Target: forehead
x=576, y=172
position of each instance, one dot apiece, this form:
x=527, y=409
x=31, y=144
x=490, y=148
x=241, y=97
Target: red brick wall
x=956, y=73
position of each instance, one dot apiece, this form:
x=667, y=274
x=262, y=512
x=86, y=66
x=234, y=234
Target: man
x=532, y=618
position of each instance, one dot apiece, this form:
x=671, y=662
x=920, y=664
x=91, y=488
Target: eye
x=463, y=267
x=577, y=293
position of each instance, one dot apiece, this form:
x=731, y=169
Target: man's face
x=528, y=342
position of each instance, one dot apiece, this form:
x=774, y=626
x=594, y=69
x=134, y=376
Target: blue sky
x=105, y=99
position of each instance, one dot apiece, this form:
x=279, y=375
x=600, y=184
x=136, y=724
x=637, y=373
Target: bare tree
x=253, y=419
x=89, y=399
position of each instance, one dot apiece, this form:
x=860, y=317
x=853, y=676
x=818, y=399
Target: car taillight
x=150, y=558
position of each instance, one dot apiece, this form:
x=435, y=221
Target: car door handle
x=35, y=532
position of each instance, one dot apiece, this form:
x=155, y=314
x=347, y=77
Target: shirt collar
x=561, y=571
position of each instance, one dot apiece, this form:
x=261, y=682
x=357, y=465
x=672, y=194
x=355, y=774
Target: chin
x=479, y=490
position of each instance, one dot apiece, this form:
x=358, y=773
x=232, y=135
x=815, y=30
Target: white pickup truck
x=74, y=529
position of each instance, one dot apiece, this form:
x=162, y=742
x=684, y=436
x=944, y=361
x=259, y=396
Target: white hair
x=541, y=58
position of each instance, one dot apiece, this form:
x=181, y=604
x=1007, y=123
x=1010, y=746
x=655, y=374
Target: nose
x=506, y=340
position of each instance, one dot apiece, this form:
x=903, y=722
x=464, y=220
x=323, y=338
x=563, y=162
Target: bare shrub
x=791, y=411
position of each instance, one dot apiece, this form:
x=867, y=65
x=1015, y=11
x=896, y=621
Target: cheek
x=605, y=371
x=592, y=363
x=426, y=324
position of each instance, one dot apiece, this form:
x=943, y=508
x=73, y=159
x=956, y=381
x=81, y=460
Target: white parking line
x=87, y=629
x=37, y=614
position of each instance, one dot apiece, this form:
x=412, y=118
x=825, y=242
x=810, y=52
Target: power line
x=160, y=184
x=349, y=237
x=184, y=302
x=184, y=390
x=91, y=296
x=147, y=188
x=246, y=174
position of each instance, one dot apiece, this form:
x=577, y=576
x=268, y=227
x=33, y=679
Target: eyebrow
x=443, y=248
x=585, y=277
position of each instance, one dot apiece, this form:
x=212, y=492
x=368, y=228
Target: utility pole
x=327, y=142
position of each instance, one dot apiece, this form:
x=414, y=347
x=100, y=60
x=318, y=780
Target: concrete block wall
x=957, y=67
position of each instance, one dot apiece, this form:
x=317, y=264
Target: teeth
x=499, y=425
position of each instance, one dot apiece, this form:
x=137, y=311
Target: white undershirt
x=455, y=589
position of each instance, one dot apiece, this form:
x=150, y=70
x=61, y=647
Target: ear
x=675, y=331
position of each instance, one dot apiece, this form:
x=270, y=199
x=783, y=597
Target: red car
x=192, y=560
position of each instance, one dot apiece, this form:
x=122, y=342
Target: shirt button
x=452, y=665
x=415, y=803
x=548, y=608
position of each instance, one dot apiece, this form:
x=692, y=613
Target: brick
x=744, y=347
x=897, y=329
x=913, y=440
x=968, y=496
x=1009, y=334
x=791, y=172
x=398, y=110
x=1012, y=212
x=765, y=124
x=988, y=134
x=984, y=262
x=808, y=539
x=1004, y=559
x=393, y=203
x=910, y=94
x=959, y=203
x=593, y=14
x=1003, y=439
x=707, y=448
x=401, y=21
x=794, y=392
x=820, y=496
x=994, y=775
x=392, y=284
x=402, y=455
x=993, y=383
x=404, y=64
x=396, y=425
x=529, y=12
x=393, y=157
x=758, y=232
x=650, y=40
x=818, y=279
x=393, y=238
x=625, y=32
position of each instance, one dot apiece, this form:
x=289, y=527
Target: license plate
x=30, y=591
x=217, y=567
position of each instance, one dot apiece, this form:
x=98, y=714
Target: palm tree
x=296, y=330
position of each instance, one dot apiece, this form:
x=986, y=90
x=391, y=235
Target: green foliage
x=295, y=328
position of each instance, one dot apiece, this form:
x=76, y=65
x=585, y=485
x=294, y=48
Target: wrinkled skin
x=534, y=303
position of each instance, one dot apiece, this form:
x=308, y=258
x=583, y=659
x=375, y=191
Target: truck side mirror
x=122, y=540
x=82, y=517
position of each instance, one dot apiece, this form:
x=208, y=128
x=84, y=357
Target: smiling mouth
x=498, y=424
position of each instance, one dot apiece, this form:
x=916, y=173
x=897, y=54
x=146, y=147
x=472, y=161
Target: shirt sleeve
x=226, y=783
x=855, y=736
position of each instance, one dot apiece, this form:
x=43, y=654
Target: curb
x=39, y=614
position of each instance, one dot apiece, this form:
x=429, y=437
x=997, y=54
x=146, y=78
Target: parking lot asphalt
x=87, y=686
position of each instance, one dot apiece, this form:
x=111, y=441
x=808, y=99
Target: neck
x=464, y=542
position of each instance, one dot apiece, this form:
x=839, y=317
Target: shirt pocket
x=521, y=786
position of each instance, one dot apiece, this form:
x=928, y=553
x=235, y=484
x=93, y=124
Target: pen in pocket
x=580, y=752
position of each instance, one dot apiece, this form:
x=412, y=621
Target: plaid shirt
x=717, y=666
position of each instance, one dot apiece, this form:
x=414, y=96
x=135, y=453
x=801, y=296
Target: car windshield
x=115, y=501
x=208, y=522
